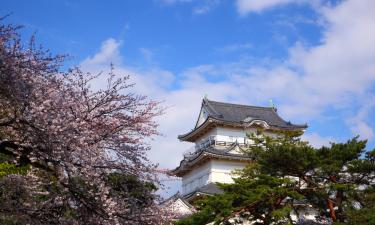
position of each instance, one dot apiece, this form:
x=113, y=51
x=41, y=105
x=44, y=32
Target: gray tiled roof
x=228, y=114
x=216, y=151
x=174, y=198
x=245, y=113
x=208, y=189
x=189, y=161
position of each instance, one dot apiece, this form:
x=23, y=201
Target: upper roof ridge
x=238, y=115
x=210, y=108
x=239, y=105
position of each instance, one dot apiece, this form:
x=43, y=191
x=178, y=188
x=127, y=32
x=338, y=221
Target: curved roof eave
x=206, y=153
x=185, y=137
x=210, y=119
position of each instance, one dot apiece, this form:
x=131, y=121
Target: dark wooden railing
x=211, y=141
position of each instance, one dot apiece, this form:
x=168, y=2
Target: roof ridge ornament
x=272, y=105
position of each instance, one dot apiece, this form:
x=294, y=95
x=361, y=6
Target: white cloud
x=363, y=130
x=109, y=53
x=234, y=47
x=147, y=53
x=170, y=2
x=199, y=7
x=247, y=6
x=331, y=74
x=336, y=73
x=205, y=6
x=316, y=140
x=358, y=123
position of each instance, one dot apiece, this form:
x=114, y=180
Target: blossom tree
x=70, y=154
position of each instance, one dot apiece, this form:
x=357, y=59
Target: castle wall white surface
x=222, y=171
x=232, y=134
x=211, y=172
x=212, y=132
x=196, y=178
x=224, y=134
x=216, y=170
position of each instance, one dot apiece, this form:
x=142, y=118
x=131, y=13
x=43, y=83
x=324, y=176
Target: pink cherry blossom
x=56, y=123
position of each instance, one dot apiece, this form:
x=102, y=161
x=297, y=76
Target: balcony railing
x=213, y=141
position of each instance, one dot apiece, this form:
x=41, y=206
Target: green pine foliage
x=6, y=169
x=290, y=176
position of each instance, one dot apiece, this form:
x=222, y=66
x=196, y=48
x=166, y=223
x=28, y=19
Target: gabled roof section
x=238, y=115
x=208, y=189
x=180, y=207
x=174, y=198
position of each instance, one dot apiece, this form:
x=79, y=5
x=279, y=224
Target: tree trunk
x=331, y=210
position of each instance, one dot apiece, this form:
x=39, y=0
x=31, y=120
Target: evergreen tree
x=289, y=177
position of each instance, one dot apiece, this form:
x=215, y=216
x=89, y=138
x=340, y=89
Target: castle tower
x=219, y=135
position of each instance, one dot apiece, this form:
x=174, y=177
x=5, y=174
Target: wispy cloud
x=146, y=53
x=205, y=6
x=336, y=73
x=109, y=53
x=358, y=123
x=234, y=47
x=318, y=141
x=201, y=9
x=171, y=2
x=247, y=6
x=198, y=7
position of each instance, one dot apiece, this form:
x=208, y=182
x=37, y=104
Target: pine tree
x=289, y=177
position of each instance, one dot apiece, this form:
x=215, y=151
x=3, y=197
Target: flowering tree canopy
x=69, y=154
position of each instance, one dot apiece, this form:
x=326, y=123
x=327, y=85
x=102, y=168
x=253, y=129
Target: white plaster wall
x=240, y=133
x=224, y=134
x=251, y=130
x=196, y=178
x=212, y=132
x=232, y=134
x=216, y=170
x=211, y=172
x=221, y=170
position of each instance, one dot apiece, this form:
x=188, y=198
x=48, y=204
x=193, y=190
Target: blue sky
x=178, y=37
x=315, y=59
